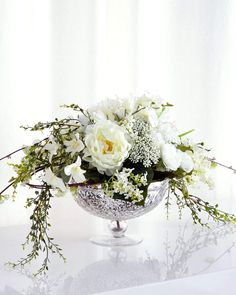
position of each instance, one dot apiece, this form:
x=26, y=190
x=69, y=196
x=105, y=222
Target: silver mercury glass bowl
x=93, y=199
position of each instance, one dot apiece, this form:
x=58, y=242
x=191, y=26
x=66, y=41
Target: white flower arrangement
x=121, y=144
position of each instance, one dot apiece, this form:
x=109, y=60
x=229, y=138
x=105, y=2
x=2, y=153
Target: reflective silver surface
x=174, y=253
x=117, y=271
x=180, y=251
x=93, y=200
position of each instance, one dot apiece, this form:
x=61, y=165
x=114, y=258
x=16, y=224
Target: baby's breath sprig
x=56, y=124
x=38, y=236
x=76, y=107
x=196, y=205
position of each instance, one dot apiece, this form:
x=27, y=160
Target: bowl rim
x=98, y=186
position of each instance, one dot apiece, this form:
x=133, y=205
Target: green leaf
x=185, y=133
x=95, y=176
x=184, y=148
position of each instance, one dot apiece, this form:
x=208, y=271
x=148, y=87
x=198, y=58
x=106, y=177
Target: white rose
x=106, y=146
x=170, y=156
x=104, y=110
x=186, y=162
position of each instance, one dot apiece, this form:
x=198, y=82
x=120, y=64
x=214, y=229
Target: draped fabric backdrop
x=63, y=51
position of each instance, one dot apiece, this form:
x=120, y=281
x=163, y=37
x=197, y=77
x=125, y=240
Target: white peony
x=106, y=146
x=119, y=108
x=170, y=156
x=104, y=110
x=112, y=109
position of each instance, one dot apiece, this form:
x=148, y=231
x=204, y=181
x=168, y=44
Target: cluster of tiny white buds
x=127, y=184
x=145, y=149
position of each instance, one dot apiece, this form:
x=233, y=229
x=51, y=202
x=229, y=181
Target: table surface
x=174, y=255
x=180, y=250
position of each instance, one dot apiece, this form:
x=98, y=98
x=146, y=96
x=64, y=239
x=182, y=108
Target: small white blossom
x=51, y=179
x=202, y=168
x=140, y=179
x=124, y=174
x=74, y=170
x=126, y=183
x=52, y=147
x=75, y=145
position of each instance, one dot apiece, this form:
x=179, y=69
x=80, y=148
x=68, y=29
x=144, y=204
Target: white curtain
x=62, y=51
